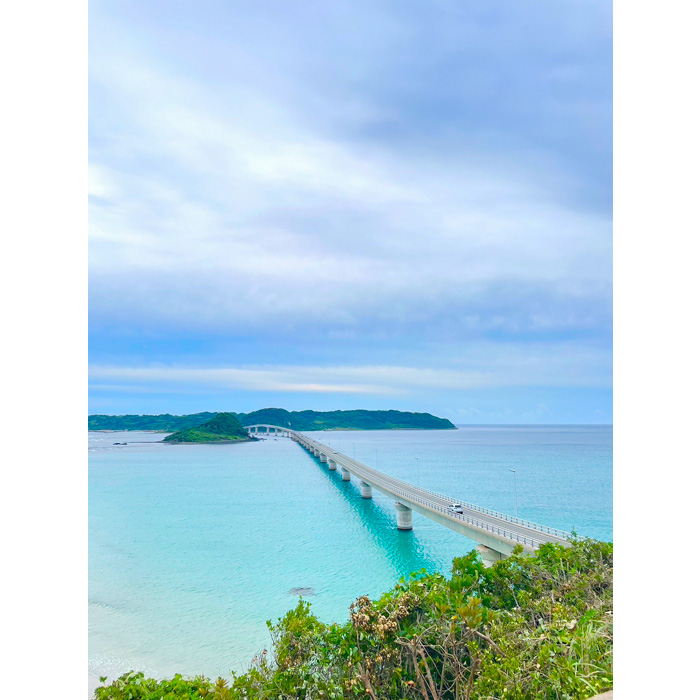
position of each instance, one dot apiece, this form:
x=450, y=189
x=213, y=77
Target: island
x=296, y=420
x=222, y=428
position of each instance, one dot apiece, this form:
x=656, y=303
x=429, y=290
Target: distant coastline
x=296, y=420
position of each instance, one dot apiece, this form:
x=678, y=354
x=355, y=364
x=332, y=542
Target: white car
x=456, y=508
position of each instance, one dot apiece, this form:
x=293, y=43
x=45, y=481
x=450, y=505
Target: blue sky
x=352, y=205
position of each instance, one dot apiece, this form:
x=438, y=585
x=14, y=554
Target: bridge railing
x=501, y=516
x=516, y=521
x=502, y=532
x=517, y=537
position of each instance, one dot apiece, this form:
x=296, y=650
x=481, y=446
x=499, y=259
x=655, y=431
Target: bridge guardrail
x=516, y=537
x=516, y=521
x=502, y=532
x=502, y=516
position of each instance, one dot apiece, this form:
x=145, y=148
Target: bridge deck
x=497, y=525
x=495, y=530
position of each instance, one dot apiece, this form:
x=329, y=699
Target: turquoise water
x=193, y=547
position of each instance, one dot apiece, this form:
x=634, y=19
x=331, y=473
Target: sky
x=315, y=205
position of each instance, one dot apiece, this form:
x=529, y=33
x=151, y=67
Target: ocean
x=192, y=548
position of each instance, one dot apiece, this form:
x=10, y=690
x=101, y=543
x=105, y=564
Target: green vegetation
x=529, y=627
x=297, y=420
x=223, y=427
x=347, y=420
x=162, y=423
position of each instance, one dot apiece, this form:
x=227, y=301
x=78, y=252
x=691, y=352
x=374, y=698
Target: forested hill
x=224, y=427
x=163, y=422
x=346, y=420
x=297, y=420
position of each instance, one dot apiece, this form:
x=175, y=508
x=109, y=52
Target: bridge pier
x=404, y=517
x=496, y=535
x=488, y=555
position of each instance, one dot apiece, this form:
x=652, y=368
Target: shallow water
x=193, y=547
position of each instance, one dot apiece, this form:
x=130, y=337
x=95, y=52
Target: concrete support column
x=365, y=490
x=332, y=465
x=268, y=431
x=345, y=473
x=404, y=517
x=324, y=459
x=488, y=555
x=316, y=453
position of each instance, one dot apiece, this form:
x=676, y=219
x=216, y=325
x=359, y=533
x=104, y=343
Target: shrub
x=536, y=626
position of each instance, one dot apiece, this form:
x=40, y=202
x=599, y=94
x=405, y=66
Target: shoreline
x=93, y=684
x=296, y=430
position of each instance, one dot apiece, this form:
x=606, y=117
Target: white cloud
x=487, y=366
x=216, y=211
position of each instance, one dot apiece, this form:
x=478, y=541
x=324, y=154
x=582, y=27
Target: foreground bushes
x=529, y=627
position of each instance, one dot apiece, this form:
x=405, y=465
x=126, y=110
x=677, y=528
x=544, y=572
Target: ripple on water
x=193, y=548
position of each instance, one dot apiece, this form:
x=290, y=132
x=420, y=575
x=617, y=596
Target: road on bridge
x=497, y=534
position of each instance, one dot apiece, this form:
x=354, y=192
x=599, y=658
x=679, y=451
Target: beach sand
x=93, y=684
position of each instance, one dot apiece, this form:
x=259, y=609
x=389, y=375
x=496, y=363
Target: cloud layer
x=282, y=171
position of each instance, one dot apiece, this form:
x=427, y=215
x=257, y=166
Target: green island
x=296, y=420
x=536, y=626
x=222, y=428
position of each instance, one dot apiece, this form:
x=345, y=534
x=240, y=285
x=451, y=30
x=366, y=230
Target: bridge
x=496, y=534
x=264, y=429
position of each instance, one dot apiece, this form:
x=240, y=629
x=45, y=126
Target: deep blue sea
x=193, y=547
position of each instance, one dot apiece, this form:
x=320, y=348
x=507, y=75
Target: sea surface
x=193, y=547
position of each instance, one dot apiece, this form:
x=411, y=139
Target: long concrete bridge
x=496, y=534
